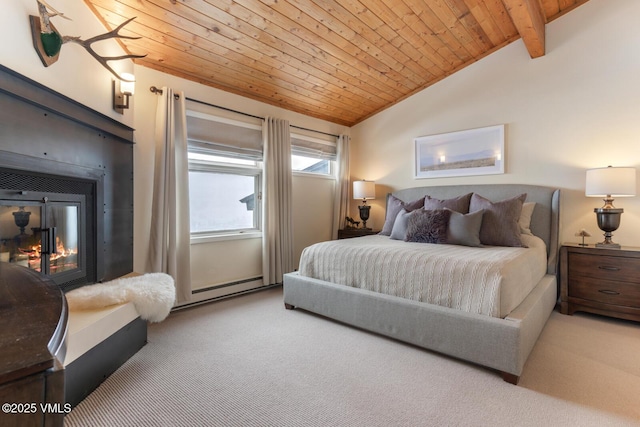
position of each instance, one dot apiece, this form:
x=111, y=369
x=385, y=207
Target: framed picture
x=468, y=152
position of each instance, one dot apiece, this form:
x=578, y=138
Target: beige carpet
x=249, y=362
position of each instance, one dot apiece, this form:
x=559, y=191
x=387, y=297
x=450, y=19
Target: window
x=223, y=195
x=225, y=172
x=225, y=169
x=310, y=165
x=312, y=155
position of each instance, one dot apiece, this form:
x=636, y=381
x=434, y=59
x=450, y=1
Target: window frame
x=231, y=169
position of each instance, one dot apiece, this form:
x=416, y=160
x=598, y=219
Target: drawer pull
x=608, y=268
x=608, y=292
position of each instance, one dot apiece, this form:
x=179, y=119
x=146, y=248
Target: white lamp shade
x=364, y=190
x=128, y=87
x=610, y=181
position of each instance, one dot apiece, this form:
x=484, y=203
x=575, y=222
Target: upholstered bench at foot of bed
x=501, y=344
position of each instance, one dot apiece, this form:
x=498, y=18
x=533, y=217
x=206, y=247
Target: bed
x=428, y=302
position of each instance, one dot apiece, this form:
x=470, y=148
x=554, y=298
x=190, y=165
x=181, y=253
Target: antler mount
x=48, y=42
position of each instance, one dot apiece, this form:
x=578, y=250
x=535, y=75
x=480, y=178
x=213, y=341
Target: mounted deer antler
x=48, y=41
x=103, y=59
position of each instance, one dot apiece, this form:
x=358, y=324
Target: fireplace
x=48, y=224
x=66, y=186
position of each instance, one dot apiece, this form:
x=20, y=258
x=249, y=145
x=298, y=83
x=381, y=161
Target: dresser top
x=606, y=251
x=33, y=315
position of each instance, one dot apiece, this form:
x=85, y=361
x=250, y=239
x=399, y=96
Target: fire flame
x=35, y=253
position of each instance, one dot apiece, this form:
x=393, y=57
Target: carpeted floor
x=247, y=361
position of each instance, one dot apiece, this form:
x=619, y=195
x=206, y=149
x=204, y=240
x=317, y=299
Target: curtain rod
x=156, y=90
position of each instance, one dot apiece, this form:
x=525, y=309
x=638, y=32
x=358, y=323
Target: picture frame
x=477, y=151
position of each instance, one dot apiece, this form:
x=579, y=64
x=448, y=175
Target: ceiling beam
x=529, y=20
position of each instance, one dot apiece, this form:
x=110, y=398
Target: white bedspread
x=488, y=280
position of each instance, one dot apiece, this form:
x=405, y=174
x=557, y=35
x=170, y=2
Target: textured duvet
x=489, y=280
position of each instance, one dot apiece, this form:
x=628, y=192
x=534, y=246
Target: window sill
x=196, y=240
x=313, y=175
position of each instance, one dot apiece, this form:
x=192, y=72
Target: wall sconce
x=365, y=190
x=608, y=183
x=122, y=91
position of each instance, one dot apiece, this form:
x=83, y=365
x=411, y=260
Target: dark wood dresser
x=33, y=318
x=601, y=281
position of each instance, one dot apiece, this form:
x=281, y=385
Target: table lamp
x=608, y=183
x=365, y=190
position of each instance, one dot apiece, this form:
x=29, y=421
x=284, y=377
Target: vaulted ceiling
x=337, y=60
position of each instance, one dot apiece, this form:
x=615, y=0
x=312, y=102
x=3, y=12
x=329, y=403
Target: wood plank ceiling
x=337, y=60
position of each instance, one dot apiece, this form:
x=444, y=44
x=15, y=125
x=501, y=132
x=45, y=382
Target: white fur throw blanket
x=153, y=295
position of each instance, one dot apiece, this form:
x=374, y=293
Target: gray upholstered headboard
x=546, y=215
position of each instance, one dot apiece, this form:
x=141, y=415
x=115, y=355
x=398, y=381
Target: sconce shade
x=127, y=83
x=365, y=190
x=610, y=181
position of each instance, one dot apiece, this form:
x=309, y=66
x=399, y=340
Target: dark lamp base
x=608, y=221
x=364, y=215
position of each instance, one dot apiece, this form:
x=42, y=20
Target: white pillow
x=525, y=218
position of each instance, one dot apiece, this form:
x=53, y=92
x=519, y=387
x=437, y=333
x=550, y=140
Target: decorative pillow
x=428, y=226
x=500, y=220
x=399, y=230
x=394, y=205
x=525, y=218
x=458, y=204
x=464, y=229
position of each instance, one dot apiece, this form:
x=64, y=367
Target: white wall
x=312, y=211
x=573, y=109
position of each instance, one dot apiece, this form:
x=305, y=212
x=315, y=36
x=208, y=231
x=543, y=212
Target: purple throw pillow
x=428, y=226
x=458, y=204
x=394, y=206
x=500, y=220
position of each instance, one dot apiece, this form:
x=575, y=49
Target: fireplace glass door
x=42, y=233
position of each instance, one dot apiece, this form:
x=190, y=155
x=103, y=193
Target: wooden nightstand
x=601, y=281
x=348, y=233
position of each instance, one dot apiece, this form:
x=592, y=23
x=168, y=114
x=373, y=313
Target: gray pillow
x=464, y=229
x=500, y=220
x=399, y=230
x=428, y=226
x=458, y=204
x=394, y=205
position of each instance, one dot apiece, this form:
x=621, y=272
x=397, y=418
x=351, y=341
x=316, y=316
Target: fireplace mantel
x=45, y=132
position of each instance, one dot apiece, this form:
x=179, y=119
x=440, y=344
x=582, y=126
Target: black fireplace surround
x=52, y=146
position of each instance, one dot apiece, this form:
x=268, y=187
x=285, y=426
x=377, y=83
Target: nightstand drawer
x=604, y=267
x=604, y=291
x=600, y=280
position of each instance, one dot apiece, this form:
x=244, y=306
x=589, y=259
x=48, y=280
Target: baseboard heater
x=226, y=285
x=225, y=296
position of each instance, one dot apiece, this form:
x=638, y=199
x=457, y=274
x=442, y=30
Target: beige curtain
x=277, y=228
x=341, y=198
x=169, y=239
